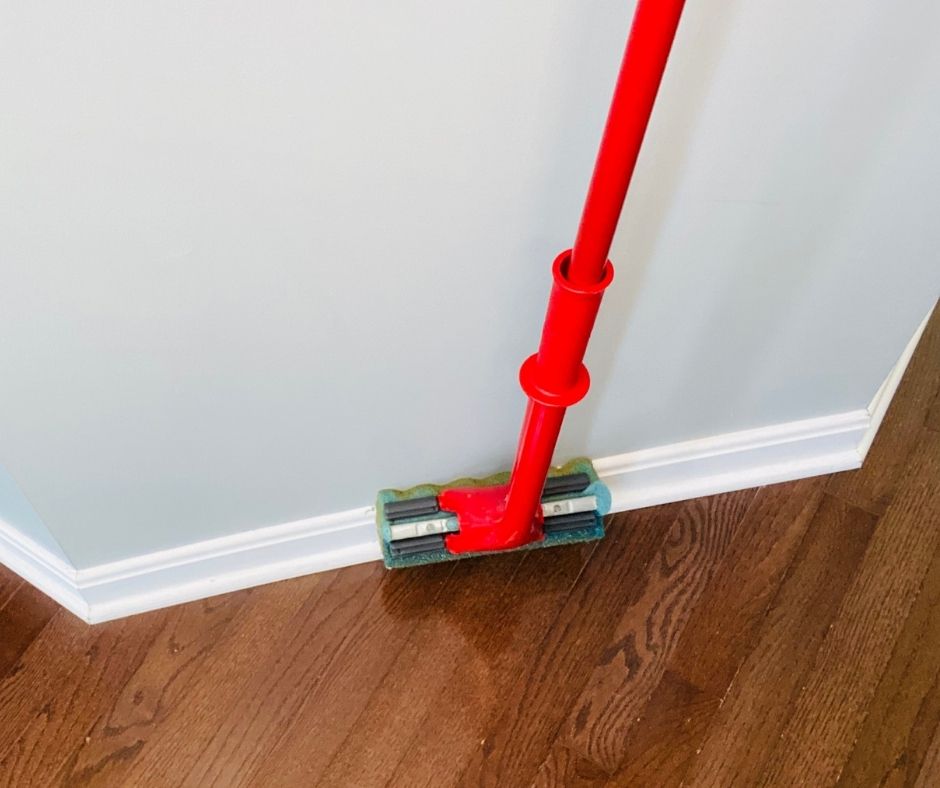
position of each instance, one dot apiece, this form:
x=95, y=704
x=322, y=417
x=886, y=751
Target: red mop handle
x=654, y=27
x=555, y=377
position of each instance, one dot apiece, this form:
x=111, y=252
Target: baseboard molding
x=217, y=566
x=734, y=461
x=884, y=395
x=717, y=464
x=49, y=573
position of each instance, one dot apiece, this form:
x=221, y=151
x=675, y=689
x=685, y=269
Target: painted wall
x=18, y=514
x=259, y=260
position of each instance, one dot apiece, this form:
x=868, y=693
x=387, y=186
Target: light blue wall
x=259, y=260
x=17, y=512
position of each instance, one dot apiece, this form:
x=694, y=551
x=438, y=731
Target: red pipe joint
x=556, y=375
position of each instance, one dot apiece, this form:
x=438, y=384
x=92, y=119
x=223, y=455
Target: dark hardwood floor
x=788, y=635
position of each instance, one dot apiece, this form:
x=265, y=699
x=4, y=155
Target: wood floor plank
x=919, y=740
x=45, y=664
x=757, y=704
x=9, y=583
x=522, y=735
x=828, y=713
x=331, y=709
x=873, y=486
x=933, y=415
x=648, y=633
x=616, y=581
x=719, y=635
x=194, y=711
x=66, y=676
x=929, y=774
x=22, y=617
x=564, y=768
x=172, y=661
x=504, y=645
x=291, y=667
x=891, y=744
x=421, y=673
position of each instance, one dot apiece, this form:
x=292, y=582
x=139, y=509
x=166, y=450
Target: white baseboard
x=721, y=463
x=734, y=461
x=49, y=573
x=216, y=566
x=885, y=393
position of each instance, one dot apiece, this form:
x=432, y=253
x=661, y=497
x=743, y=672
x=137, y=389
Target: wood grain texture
x=193, y=712
x=300, y=656
x=719, y=635
x=9, y=585
x=929, y=774
x=782, y=636
x=175, y=657
x=933, y=414
x=647, y=634
x=905, y=710
x=330, y=713
x=23, y=615
x=422, y=673
x=833, y=702
x=90, y=666
x=504, y=645
x=759, y=700
x=613, y=581
x=564, y=768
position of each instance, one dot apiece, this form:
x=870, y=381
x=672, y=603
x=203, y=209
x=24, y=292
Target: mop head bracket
x=431, y=523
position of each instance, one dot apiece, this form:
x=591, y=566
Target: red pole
x=555, y=377
x=651, y=36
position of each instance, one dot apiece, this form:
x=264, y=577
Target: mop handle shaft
x=644, y=61
x=555, y=377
